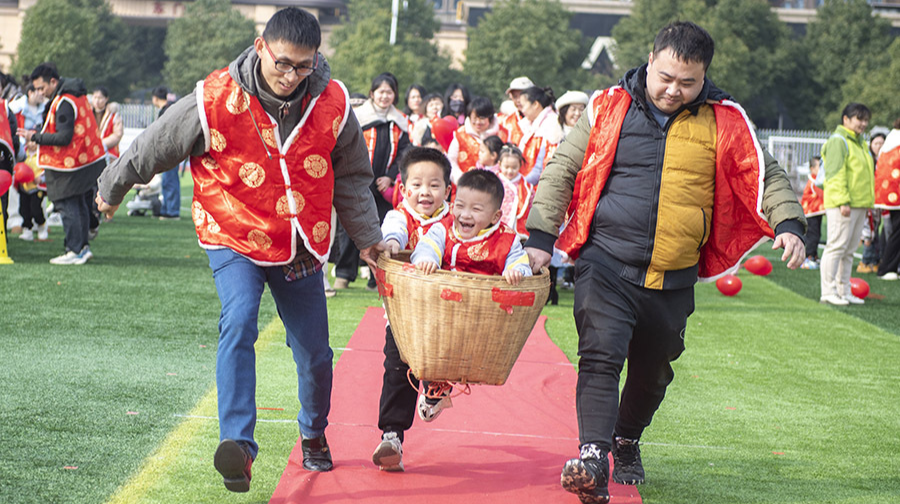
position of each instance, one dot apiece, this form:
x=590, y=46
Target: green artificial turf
x=777, y=399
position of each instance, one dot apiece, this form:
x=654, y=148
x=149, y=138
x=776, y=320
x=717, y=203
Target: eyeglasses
x=287, y=68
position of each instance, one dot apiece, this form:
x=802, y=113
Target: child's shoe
x=43, y=232
x=27, y=234
x=389, y=454
x=435, y=399
x=863, y=268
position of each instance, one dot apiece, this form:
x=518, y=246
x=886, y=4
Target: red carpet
x=498, y=445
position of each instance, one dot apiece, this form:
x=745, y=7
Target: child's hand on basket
x=427, y=267
x=512, y=276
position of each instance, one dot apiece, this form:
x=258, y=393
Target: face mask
x=456, y=106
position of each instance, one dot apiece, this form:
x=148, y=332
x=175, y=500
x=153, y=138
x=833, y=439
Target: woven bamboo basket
x=459, y=327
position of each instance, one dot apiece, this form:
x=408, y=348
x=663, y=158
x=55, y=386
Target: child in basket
x=424, y=186
x=471, y=239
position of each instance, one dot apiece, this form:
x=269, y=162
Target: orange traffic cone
x=4, y=256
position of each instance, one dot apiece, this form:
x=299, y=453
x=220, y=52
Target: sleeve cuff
x=793, y=226
x=540, y=240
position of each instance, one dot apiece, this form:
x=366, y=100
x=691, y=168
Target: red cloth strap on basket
x=507, y=298
x=384, y=289
x=451, y=295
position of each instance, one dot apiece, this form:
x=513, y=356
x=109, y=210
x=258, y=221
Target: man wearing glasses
x=274, y=145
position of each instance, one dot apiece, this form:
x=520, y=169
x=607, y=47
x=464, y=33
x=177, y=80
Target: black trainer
x=233, y=461
x=588, y=478
x=316, y=454
x=627, y=467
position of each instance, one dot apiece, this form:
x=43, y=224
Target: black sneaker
x=587, y=478
x=627, y=468
x=316, y=454
x=233, y=461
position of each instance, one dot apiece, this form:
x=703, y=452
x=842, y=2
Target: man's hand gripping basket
x=459, y=327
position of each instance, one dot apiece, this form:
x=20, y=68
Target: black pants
x=890, y=254
x=397, y=408
x=616, y=320
x=30, y=209
x=813, y=235
x=75, y=212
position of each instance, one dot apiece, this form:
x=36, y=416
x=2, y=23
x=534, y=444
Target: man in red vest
x=273, y=146
x=670, y=184
x=70, y=151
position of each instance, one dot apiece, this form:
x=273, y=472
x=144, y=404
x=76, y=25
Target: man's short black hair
x=294, y=26
x=161, y=92
x=482, y=107
x=484, y=181
x=415, y=155
x=688, y=41
x=45, y=71
x=857, y=110
x=103, y=90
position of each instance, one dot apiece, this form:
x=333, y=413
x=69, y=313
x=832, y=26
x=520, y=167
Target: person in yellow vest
x=71, y=153
x=273, y=146
x=665, y=182
x=849, y=194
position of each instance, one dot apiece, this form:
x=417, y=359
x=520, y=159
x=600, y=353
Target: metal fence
x=137, y=116
x=793, y=149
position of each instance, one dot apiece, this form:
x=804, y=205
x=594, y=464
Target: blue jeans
x=75, y=212
x=301, y=306
x=171, y=193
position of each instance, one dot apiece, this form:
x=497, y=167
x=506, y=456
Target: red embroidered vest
x=813, y=199
x=468, y=149
x=6, y=131
x=737, y=224
x=85, y=147
x=107, y=124
x=524, y=197
x=254, y=194
x=485, y=255
x=416, y=225
x=371, y=136
x=887, y=180
x=510, y=130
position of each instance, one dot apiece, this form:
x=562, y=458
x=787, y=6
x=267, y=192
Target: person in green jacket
x=849, y=193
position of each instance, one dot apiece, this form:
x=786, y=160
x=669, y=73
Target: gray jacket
x=178, y=134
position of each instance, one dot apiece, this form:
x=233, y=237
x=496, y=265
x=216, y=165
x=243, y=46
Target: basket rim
x=393, y=262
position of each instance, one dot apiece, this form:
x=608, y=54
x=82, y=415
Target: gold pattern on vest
x=335, y=126
x=315, y=165
x=268, y=134
x=252, y=174
x=79, y=129
x=320, y=231
x=463, y=156
x=478, y=252
x=208, y=162
x=283, y=207
x=259, y=239
x=197, y=213
x=217, y=140
x=69, y=162
x=83, y=158
x=236, y=104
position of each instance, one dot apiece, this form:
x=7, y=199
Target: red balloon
x=24, y=173
x=442, y=131
x=758, y=265
x=729, y=285
x=859, y=287
x=5, y=181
